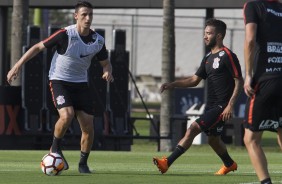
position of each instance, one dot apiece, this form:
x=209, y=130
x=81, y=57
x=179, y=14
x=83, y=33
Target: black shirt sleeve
x=59, y=40
x=201, y=72
x=103, y=54
x=251, y=12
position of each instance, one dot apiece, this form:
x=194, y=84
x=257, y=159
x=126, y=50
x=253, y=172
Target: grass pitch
x=197, y=165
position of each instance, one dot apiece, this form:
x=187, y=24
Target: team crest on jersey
x=215, y=64
x=60, y=100
x=221, y=53
x=90, y=43
x=219, y=129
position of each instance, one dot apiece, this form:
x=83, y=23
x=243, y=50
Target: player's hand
x=108, y=77
x=165, y=86
x=247, y=87
x=13, y=74
x=227, y=113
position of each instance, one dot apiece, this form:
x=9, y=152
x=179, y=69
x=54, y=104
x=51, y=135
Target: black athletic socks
x=266, y=181
x=179, y=150
x=82, y=166
x=56, y=145
x=83, y=158
x=226, y=159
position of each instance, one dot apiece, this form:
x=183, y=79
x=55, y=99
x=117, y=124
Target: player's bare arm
x=33, y=51
x=184, y=83
x=107, y=70
x=227, y=113
x=249, y=53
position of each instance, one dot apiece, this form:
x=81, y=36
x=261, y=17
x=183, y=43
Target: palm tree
x=19, y=32
x=168, y=71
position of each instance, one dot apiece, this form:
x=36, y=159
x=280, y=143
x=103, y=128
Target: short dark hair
x=220, y=26
x=80, y=4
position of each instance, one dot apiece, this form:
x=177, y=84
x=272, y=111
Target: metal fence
x=144, y=37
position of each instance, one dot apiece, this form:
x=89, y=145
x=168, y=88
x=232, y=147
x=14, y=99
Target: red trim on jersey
x=251, y=106
x=244, y=16
x=52, y=93
x=217, y=120
x=54, y=34
x=232, y=62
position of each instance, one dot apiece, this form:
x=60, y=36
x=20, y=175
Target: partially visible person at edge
x=76, y=45
x=221, y=68
x=263, y=82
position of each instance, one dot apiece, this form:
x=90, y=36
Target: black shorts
x=78, y=95
x=264, y=109
x=211, y=121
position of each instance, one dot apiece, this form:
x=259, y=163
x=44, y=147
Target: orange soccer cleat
x=161, y=164
x=224, y=170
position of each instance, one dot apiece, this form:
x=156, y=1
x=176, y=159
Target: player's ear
x=75, y=16
x=219, y=35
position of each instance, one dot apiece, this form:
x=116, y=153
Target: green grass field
x=195, y=166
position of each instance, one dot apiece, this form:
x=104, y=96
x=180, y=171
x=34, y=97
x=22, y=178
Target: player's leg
x=87, y=129
x=220, y=149
x=189, y=136
x=213, y=129
x=62, y=101
x=85, y=116
x=184, y=144
x=203, y=123
x=66, y=115
x=257, y=117
x=252, y=142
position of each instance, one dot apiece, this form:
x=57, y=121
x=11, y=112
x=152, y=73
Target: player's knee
x=66, y=120
x=248, y=141
x=192, y=131
x=66, y=117
x=88, y=129
x=87, y=135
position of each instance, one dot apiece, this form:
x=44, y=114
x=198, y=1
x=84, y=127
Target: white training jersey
x=72, y=66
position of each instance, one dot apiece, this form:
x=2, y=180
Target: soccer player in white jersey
x=76, y=45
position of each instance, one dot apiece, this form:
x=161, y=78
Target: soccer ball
x=52, y=164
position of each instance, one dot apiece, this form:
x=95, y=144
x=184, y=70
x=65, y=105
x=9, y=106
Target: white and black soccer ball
x=52, y=164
